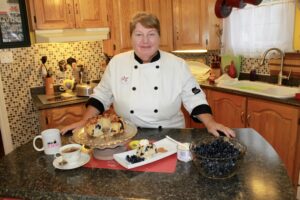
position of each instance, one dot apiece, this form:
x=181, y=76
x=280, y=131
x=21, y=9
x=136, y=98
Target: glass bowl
x=218, y=158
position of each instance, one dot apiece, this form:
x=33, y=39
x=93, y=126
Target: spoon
x=178, y=143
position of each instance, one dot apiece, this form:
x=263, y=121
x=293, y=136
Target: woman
x=147, y=86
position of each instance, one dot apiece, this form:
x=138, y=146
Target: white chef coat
x=149, y=95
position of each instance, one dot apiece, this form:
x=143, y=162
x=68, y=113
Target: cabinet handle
x=243, y=117
x=76, y=7
x=47, y=121
x=248, y=120
x=69, y=8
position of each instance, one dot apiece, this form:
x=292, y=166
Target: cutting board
x=226, y=60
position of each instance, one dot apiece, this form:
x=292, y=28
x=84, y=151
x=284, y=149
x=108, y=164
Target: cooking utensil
x=178, y=143
x=222, y=10
x=236, y=3
x=253, y=2
x=84, y=90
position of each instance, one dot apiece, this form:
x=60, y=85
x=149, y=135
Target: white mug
x=51, y=141
x=70, y=152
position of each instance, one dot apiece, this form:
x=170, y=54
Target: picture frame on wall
x=14, y=30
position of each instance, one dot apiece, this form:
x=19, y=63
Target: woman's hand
x=73, y=126
x=215, y=128
x=89, y=113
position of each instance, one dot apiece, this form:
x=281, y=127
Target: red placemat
x=165, y=165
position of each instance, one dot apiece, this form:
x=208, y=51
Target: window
x=253, y=29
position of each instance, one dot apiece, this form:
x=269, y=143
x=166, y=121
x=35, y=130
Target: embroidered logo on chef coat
x=196, y=90
x=124, y=79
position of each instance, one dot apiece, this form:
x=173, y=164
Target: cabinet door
x=161, y=8
x=277, y=123
x=189, y=24
x=90, y=13
x=213, y=26
x=228, y=109
x=53, y=14
x=61, y=116
x=122, y=14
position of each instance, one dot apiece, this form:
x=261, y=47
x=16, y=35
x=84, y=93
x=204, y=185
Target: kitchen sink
x=260, y=88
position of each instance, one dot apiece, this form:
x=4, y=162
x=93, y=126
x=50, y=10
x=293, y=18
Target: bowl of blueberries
x=218, y=158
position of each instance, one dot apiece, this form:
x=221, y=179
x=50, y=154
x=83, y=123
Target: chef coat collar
x=155, y=58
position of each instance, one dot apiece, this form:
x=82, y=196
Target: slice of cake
x=145, y=150
x=104, y=125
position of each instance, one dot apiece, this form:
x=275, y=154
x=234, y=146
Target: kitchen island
x=28, y=174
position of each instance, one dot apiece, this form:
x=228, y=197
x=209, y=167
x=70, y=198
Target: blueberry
x=134, y=159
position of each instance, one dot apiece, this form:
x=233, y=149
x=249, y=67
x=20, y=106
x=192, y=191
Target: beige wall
x=18, y=77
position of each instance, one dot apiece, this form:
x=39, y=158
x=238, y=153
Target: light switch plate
x=6, y=57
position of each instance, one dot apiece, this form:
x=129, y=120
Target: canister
x=183, y=152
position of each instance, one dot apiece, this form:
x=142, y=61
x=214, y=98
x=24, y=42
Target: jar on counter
x=216, y=69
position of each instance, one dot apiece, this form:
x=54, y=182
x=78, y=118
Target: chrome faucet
x=280, y=75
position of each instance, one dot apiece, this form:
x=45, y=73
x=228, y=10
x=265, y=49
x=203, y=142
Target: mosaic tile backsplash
x=25, y=72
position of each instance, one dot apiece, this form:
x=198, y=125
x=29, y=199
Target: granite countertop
x=28, y=174
x=40, y=106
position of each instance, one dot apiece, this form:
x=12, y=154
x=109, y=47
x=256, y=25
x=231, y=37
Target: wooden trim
x=4, y=123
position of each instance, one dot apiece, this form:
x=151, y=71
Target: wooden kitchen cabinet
x=162, y=9
x=189, y=24
x=61, y=116
x=120, y=18
x=63, y=14
x=228, y=109
x=276, y=122
x=185, y=24
x=213, y=27
x=195, y=25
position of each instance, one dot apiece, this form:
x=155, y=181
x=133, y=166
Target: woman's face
x=145, y=42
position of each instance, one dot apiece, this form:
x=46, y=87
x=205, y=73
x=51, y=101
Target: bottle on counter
x=232, y=70
x=253, y=74
x=215, y=67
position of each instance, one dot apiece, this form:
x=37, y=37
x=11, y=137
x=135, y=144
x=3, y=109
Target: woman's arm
x=213, y=127
x=89, y=113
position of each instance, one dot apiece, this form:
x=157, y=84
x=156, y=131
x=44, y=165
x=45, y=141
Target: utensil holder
x=49, y=87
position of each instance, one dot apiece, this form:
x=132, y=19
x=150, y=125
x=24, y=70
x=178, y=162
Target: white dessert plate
x=84, y=158
x=170, y=146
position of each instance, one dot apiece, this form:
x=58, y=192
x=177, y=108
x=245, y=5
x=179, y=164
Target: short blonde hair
x=148, y=20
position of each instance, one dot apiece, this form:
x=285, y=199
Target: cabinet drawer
x=62, y=116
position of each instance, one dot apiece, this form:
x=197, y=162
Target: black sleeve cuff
x=96, y=104
x=201, y=109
